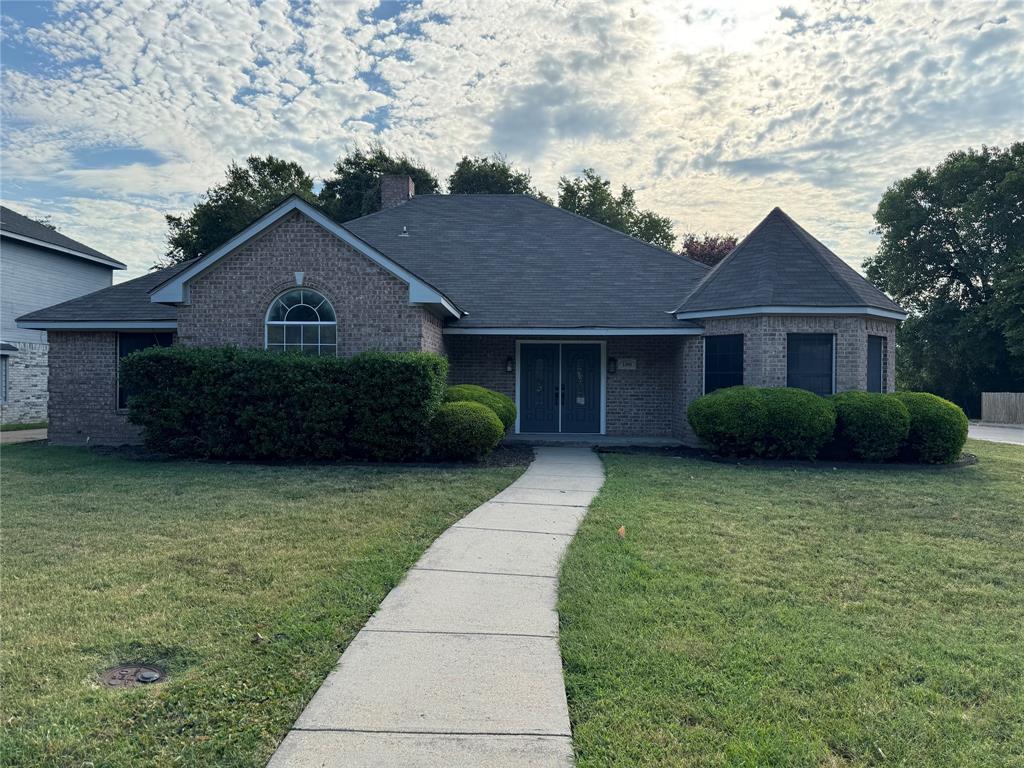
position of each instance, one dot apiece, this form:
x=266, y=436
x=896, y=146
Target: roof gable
x=780, y=267
x=24, y=229
x=175, y=289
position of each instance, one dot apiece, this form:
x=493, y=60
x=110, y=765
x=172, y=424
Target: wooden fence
x=1002, y=407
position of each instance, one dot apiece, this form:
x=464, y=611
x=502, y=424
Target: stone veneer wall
x=228, y=303
x=764, y=346
x=26, y=384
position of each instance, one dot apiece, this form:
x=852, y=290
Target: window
x=3, y=379
x=810, y=362
x=876, y=352
x=301, y=320
x=133, y=342
x=723, y=361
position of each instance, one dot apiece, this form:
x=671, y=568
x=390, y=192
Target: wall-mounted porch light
x=509, y=364
x=613, y=365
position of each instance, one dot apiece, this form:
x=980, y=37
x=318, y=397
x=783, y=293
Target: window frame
x=5, y=372
x=832, y=340
x=742, y=371
x=284, y=324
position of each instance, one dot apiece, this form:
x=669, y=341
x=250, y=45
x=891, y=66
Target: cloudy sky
x=116, y=113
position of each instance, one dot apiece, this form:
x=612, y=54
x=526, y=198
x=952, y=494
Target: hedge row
x=862, y=426
x=233, y=403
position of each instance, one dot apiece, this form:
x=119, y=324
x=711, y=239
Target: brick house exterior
x=479, y=280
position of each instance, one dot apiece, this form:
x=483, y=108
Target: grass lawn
x=759, y=616
x=23, y=426
x=244, y=581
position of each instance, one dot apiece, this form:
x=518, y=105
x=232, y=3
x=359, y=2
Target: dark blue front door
x=538, y=388
x=560, y=388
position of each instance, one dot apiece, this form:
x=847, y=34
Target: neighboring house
x=38, y=267
x=591, y=331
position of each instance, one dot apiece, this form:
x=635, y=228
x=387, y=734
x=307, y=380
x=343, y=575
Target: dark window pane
x=723, y=361
x=276, y=347
x=809, y=362
x=302, y=314
x=328, y=334
x=293, y=334
x=327, y=349
x=875, y=348
x=275, y=334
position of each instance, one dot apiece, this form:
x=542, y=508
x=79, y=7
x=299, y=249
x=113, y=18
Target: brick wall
x=228, y=303
x=83, y=390
x=764, y=346
x=644, y=401
x=26, y=384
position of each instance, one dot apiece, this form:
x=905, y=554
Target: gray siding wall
x=32, y=278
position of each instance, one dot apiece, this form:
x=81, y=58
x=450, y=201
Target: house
x=591, y=331
x=38, y=267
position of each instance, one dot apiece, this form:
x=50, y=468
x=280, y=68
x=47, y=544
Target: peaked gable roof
x=18, y=227
x=174, y=289
x=779, y=266
x=515, y=262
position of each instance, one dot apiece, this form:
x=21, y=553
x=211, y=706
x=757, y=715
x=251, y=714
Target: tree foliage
x=707, y=248
x=354, y=189
x=489, y=176
x=952, y=252
x=249, y=191
x=591, y=196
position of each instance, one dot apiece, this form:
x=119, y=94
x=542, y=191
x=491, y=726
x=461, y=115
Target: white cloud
x=715, y=111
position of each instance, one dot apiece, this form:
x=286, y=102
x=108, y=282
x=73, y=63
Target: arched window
x=301, y=320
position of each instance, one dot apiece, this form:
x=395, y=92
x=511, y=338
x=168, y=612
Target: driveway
x=460, y=666
x=22, y=436
x=997, y=433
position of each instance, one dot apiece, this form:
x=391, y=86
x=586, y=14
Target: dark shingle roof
x=124, y=302
x=780, y=264
x=16, y=224
x=510, y=260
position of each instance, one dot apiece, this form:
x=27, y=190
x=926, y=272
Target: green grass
x=25, y=425
x=188, y=565
x=775, y=616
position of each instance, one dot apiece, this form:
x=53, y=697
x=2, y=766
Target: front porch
x=604, y=441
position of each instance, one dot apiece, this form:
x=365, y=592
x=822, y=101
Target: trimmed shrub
x=503, y=405
x=232, y=403
x=938, y=428
x=465, y=430
x=770, y=422
x=869, y=426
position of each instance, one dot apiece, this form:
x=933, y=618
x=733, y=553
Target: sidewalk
x=460, y=666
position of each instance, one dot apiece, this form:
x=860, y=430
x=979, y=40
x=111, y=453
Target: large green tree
x=354, y=188
x=591, y=196
x=249, y=191
x=952, y=253
x=493, y=175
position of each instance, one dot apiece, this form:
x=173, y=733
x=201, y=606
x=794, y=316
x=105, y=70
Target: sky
x=117, y=113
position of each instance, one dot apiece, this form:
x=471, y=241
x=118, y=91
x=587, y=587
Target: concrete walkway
x=997, y=433
x=22, y=436
x=460, y=665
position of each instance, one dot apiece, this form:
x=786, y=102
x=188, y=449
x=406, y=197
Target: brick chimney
x=395, y=190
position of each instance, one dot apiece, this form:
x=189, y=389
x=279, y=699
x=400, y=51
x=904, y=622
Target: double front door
x=559, y=387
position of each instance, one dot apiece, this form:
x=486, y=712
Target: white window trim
x=604, y=379
x=284, y=323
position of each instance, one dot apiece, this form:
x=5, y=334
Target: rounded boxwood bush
x=869, y=426
x=751, y=421
x=938, y=428
x=465, y=430
x=503, y=405
x=797, y=423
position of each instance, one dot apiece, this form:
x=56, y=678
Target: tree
x=706, y=248
x=489, y=176
x=591, y=196
x=354, y=189
x=952, y=253
x=249, y=191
